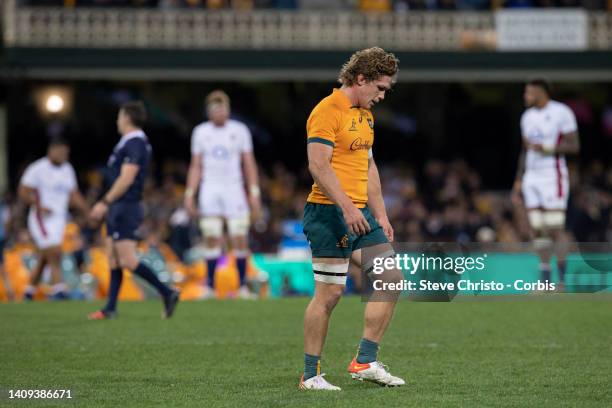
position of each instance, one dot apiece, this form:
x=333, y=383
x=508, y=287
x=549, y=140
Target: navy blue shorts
x=123, y=221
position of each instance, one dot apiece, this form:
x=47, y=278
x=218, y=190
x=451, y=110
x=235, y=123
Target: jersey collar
x=131, y=135
x=342, y=98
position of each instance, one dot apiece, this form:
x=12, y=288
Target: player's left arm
x=375, y=199
x=76, y=198
x=569, y=144
x=126, y=178
x=252, y=181
x=78, y=201
x=249, y=166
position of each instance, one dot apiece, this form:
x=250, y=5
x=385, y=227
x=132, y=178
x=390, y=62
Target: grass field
x=237, y=353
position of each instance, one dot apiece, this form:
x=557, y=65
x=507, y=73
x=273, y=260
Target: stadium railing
x=266, y=29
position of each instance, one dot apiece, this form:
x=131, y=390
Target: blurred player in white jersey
x=549, y=132
x=49, y=187
x=222, y=165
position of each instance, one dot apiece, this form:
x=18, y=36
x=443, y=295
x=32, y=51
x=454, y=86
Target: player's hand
x=537, y=147
x=355, y=221
x=190, y=206
x=255, y=204
x=98, y=212
x=387, y=228
x=43, y=211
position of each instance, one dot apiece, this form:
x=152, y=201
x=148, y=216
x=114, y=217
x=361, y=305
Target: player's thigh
x=363, y=256
x=326, y=231
x=332, y=271
x=123, y=221
x=532, y=189
x=554, y=221
x=211, y=227
x=374, y=243
x=330, y=279
x=547, y=221
x=555, y=194
x=47, y=232
x=236, y=211
x=125, y=250
x=210, y=200
x=371, y=256
x=238, y=230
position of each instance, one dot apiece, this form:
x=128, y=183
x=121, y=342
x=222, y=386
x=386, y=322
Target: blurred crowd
x=362, y=5
x=442, y=201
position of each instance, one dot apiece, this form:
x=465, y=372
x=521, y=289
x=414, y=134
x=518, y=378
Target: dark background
x=475, y=121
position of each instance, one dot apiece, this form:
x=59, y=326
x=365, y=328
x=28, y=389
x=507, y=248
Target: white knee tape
x=212, y=227
x=238, y=226
x=536, y=219
x=330, y=273
x=554, y=219
x=212, y=253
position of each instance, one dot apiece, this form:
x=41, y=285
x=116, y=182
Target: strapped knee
x=330, y=273
x=211, y=227
x=238, y=227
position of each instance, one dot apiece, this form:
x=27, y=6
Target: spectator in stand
x=375, y=5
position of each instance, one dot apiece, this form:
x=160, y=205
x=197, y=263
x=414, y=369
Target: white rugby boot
x=317, y=383
x=375, y=372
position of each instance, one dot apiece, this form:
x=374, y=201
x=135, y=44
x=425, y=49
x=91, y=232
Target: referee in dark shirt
x=127, y=169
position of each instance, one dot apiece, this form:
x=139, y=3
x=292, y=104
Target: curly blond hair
x=372, y=63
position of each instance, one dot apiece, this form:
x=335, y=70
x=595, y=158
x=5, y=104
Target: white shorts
x=548, y=190
x=47, y=231
x=228, y=201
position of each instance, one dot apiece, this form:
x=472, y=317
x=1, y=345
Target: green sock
x=311, y=366
x=368, y=350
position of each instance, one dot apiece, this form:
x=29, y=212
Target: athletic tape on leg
x=554, y=219
x=212, y=227
x=238, y=226
x=330, y=273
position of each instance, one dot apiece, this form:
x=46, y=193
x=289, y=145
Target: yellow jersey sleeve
x=323, y=125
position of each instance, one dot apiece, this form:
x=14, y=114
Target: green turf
x=238, y=353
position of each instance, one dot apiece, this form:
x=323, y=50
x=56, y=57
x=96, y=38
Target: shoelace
x=320, y=380
x=387, y=375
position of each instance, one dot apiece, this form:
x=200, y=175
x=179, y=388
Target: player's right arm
x=76, y=198
x=319, y=165
x=194, y=175
x=516, y=195
x=27, y=195
x=518, y=180
x=321, y=128
x=28, y=191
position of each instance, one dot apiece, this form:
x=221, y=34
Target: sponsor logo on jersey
x=359, y=144
x=220, y=152
x=353, y=127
